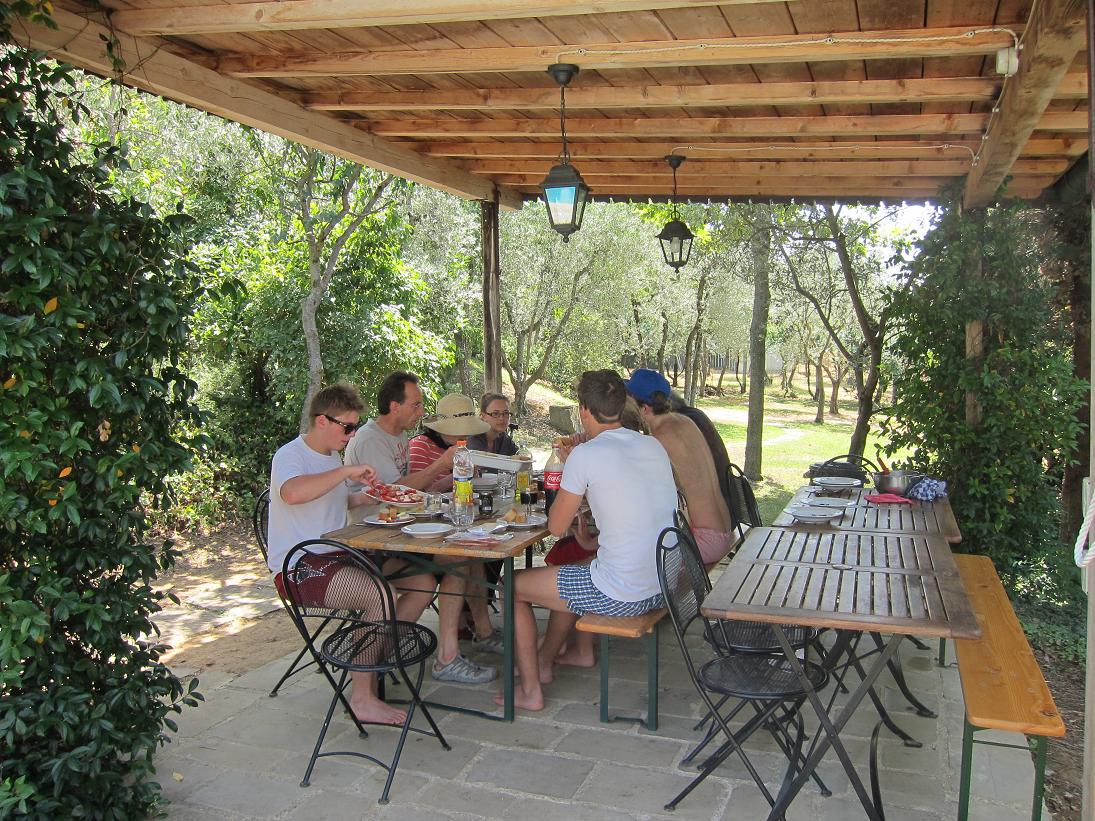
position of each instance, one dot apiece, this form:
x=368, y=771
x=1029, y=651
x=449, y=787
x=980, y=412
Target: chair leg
x=876, y=788
x=942, y=652
x=326, y=723
x=290, y=670
x=899, y=677
x=414, y=702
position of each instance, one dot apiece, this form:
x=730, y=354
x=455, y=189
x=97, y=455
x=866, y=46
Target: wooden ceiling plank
x=1055, y=34
x=741, y=94
x=676, y=128
x=695, y=169
x=853, y=45
x=82, y=42
x=903, y=149
x=285, y=15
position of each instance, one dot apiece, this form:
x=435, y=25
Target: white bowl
x=835, y=502
x=815, y=515
x=427, y=530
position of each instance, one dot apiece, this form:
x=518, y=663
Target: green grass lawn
x=791, y=441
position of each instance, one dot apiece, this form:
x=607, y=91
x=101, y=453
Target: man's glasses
x=498, y=414
x=348, y=427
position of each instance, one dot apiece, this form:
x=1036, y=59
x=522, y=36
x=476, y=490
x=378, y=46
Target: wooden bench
x=629, y=627
x=1002, y=685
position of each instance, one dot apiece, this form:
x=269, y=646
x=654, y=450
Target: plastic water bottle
x=463, y=497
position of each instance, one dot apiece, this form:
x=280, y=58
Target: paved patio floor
x=242, y=755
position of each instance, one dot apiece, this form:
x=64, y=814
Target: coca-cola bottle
x=553, y=475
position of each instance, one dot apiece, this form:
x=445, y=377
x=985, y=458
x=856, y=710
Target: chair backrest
x=355, y=590
x=260, y=522
x=848, y=465
x=741, y=500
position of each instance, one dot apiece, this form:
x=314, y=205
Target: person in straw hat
x=456, y=418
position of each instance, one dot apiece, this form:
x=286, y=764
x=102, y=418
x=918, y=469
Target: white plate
x=427, y=530
x=402, y=519
x=485, y=482
x=535, y=520
x=837, y=482
x=814, y=515
x=483, y=459
x=830, y=501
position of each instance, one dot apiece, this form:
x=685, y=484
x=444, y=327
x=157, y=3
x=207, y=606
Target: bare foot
x=522, y=701
x=573, y=658
x=377, y=712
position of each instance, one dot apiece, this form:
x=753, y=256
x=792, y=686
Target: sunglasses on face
x=349, y=428
x=498, y=414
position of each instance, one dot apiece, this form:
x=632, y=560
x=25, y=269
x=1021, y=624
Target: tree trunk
x=819, y=417
x=722, y=372
x=640, y=346
x=760, y=252
x=311, y=341
x=689, y=393
x=740, y=373
x=662, y=344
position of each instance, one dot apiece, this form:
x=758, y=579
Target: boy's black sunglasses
x=348, y=427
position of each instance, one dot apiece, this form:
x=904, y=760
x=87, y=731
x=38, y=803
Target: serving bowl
x=896, y=481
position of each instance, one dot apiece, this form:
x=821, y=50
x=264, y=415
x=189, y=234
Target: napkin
x=887, y=499
x=928, y=489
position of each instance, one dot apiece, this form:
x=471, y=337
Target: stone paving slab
x=241, y=755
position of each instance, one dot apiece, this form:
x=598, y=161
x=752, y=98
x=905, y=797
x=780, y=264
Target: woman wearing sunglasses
x=494, y=410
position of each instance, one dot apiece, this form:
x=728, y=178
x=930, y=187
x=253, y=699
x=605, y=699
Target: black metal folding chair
x=368, y=638
x=765, y=683
x=740, y=499
x=260, y=524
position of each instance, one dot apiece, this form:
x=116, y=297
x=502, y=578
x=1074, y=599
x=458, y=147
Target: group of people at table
x=632, y=483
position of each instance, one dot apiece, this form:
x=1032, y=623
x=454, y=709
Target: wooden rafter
x=83, y=42
x=964, y=89
x=1055, y=34
x=696, y=169
x=896, y=124
x=288, y=15
x=714, y=51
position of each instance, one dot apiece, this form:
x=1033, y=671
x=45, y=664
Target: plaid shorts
x=576, y=588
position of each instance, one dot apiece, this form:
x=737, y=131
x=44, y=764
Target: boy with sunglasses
x=309, y=496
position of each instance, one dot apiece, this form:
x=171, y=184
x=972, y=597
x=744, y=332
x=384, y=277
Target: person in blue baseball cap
x=692, y=463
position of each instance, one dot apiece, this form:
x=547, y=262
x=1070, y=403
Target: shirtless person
x=692, y=463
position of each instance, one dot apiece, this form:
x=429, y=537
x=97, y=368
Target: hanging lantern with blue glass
x=565, y=192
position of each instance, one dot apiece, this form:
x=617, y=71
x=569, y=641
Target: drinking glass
x=528, y=499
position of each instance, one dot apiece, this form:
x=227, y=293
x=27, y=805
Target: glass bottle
x=463, y=497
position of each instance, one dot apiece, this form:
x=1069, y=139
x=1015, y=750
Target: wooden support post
x=975, y=349
x=492, y=332
x=1087, y=812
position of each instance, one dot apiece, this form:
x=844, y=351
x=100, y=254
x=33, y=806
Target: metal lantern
x=675, y=237
x=565, y=192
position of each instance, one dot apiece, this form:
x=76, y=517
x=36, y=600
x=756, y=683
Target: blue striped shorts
x=576, y=588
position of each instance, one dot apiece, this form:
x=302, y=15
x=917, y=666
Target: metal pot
x=896, y=481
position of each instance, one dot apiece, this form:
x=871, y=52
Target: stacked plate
x=834, y=502
x=427, y=530
x=811, y=514
x=837, y=482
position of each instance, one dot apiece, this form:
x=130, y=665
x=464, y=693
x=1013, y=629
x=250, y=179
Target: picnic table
x=935, y=517
x=423, y=553
x=901, y=584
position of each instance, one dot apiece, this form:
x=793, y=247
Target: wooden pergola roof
x=877, y=99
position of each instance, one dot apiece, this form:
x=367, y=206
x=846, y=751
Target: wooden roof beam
x=941, y=89
x=708, y=149
x=1054, y=36
x=685, y=128
x=955, y=41
x=697, y=169
x=82, y=42
x=289, y=15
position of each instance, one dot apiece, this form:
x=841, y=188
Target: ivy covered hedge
x=1003, y=470
x=94, y=303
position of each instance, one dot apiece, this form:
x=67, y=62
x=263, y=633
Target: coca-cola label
x=552, y=479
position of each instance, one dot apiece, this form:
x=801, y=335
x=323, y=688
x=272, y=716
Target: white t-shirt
x=628, y=481
x=292, y=524
x=389, y=455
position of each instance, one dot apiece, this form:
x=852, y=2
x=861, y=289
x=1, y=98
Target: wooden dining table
x=934, y=517
x=900, y=584
x=426, y=555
